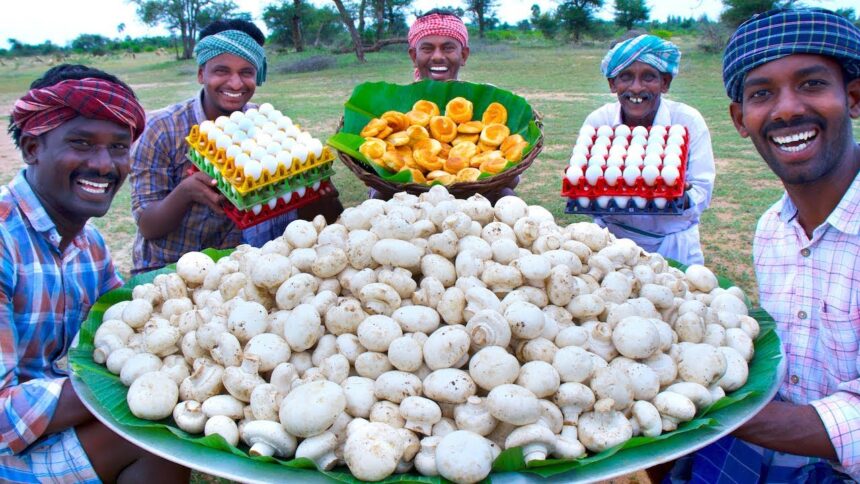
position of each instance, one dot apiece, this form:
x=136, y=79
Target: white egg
x=214, y=133
x=585, y=141
x=270, y=164
x=573, y=174
x=635, y=150
x=656, y=140
x=631, y=174
x=292, y=131
x=640, y=202
x=304, y=137
x=223, y=142
x=672, y=150
x=279, y=137
x=251, y=112
x=580, y=150
x=650, y=174
x=301, y=192
x=654, y=150
x=257, y=209
x=639, y=131
x=652, y=160
x=618, y=151
x=275, y=116
x=252, y=131
x=258, y=153
x=587, y=130
x=599, y=150
x=233, y=151
x=660, y=203
x=677, y=129
x=266, y=108
x=579, y=159
x=241, y=160
x=620, y=141
x=239, y=137
x=316, y=186
x=612, y=174
x=287, y=197
x=584, y=202
x=237, y=116
x=205, y=126
x=614, y=160
x=245, y=124
x=593, y=173
x=248, y=145
x=638, y=139
x=605, y=131
x=220, y=121
x=672, y=160
x=657, y=130
x=316, y=147
x=230, y=128
x=259, y=119
x=288, y=143
x=603, y=202
x=670, y=175
x=621, y=201
x=253, y=169
x=273, y=148
x=675, y=139
x=622, y=131
x=284, y=122
x=300, y=151
x=272, y=203
x=603, y=141
x=285, y=158
x=597, y=161
x=263, y=138
x=269, y=128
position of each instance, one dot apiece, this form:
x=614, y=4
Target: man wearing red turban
x=438, y=45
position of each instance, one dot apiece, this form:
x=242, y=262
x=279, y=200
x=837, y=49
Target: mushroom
x=189, y=416
x=395, y=386
x=464, y=457
x=449, y=385
x=573, y=399
x=420, y=414
x=425, y=460
x=268, y=439
x=387, y=450
x=445, y=347
x=359, y=394
x=540, y=378
x=513, y=404
x=646, y=419
x=474, y=416
x=311, y=408
x=488, y=328
x=320, y=449
x=377, y=332
x=223, y=426
x=304, y=328
x=674, y=408
x=204, y=382
x=536, y=440
x=636, y=337
x=604, y=427
x=152, y=396
x=493, y=366
x=138, y=365
x=223, y=405
x=240, y=381
x=405, y=353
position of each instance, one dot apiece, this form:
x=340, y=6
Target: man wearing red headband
x=438, y=45
x=74, y=128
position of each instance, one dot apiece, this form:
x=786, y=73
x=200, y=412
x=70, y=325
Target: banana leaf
x=371, y=99
x=110, y=396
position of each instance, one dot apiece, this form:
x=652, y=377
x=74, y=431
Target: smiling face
x=639, y=87
x=229, y=82
x=77, y=168
x=438, y=57
x=797, y=110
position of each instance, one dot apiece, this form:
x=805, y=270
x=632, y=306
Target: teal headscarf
x=650, y=49
x=233, y=42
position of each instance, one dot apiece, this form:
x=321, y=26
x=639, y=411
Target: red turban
x=436, y=24
x=46, y=108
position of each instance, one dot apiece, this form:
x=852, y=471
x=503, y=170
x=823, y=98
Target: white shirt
x=675, y=237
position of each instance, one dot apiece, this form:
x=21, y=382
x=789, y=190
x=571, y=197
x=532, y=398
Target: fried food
x=495, y=113
x=428, y=107
x=459, y=109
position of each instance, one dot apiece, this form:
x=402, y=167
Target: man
x=794, y=80
x=438, y=45
x=639, y=71
x=74, y=128
x=176, y=212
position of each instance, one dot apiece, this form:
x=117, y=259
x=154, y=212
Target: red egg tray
x=246, y=218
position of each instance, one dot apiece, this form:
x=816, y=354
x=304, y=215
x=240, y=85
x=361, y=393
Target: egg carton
x=245, y=201
x=588, y=206
x=236, y=177
x=247, y=218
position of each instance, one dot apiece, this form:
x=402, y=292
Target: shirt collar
x=36, y=214
x=844, y=218
x=663, y=116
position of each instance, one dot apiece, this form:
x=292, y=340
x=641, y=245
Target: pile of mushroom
x=435, y=331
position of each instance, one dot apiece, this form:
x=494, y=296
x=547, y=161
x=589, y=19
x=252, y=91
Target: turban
x=650, y=49
x=233, y=42
x=46, y=108
x=438, y=24
x=782, y=32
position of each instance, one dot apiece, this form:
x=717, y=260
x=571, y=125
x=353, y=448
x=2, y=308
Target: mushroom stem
x=262, y=448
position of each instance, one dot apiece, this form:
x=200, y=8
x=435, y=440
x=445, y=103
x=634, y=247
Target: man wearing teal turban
x=639, y=71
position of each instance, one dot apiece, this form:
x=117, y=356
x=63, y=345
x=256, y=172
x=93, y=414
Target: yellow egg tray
x=236, y=177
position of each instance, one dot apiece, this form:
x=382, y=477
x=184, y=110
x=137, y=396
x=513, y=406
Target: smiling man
x=794, y=80
x=74, y=128
x=639, y=71
x=438, y=45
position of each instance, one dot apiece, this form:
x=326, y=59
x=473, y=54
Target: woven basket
x=460, y=190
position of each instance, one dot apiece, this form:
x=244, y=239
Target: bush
x=662, y=33
x=310, y=64
x=713, y=37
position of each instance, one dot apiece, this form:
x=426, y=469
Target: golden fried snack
x=459, y=109
x=461, y=153
x=447, y=179
x=470, y=127
x=512, y=140
x=396, y=120
x=417, y=176
x=494, y=157
x=468, y=175
x=373, y=128
x=514, y=152
x=484, y=147
x=494, y=163
x=465, y=138
x=405, y=153
x=436, y=174
x=455, y=164
x=417, y=133
x=418, y=118
x=495, y=113
x=400, y=138
x=446, y=148
x=426, y=160
x=392, y=160
x=494, y=134
x=428, y=107
x=373, y=148
x=429, y=144
x=385, y=133
x=443, y=128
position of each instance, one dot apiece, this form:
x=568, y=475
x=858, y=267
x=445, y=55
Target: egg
x=622, y=131
x=315, y=147
x=603, y=202
x=223, y=142
x=273, y=148
x=269, y=128
x=230, y=128
x=579, y=159
x=258, y=153
x=672, y=160
x=253, y=169
x=670, y=175
x=635, y=150
x=272, y=203
x=657, y=140
x=237, y=116
x=660, y=203
x=259, y=119
x=640, y=131
x=593, y=173
x=620, y=141
x=674, y=139
x=233, y=151
x=587, y=130
x=656, y=150
x=220, y=121
x=618, y=151
x=614, y=160
x=677, y=129
x=287, y=197
x=621, y=201
x=214, y=133
x=274, y=116
x=256, y=209
x=288, y=143
x=300, y=151
x=266, y=108
x=251, y=112
x=304, y=137
x=657, y=130
x=605, y=131
x=239, y=137
x=650, y=174
x=270, y=164
x=652, y=160
x=597, y=161
x=638, y=139
x=285, y=158
x=580, y=150
x=292, y=131
x=252, y=131
x=263, y=138
x=633, y=160
x=245, y=124
x=640, y=202
x=241, y=160
x=573, y=174
x=316, y=186
x=248, y=145
x=672, y=150
x=585, y=141
x=603, y=141
x=284, y=122
x=599, y=150
x=612, y=174
x=301, y=192
x=631, y=174
x=279, y=137
x=205, y=126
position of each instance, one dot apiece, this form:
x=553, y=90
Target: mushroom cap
x=449, y=385
x=540, y=378
x=372, y=451
x=493, y=366
x=223, y=426
x=636, y=337
x=534, y=435
x=464, y=457
x=513, y=404
x=268, y=438
x=152, y=396
x=675, y=405
x=311, y=408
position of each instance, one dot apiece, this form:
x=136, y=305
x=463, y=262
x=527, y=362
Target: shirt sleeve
x=151, y=164
x=701, y=171
x=840, y=414
x=25, y=408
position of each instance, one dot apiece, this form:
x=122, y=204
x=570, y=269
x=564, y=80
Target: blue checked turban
x=233, y=42
x=650, y=49
x=783, y=32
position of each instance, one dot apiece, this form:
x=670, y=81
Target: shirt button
x=805, y=252
x=801, y=314
x=794, y=379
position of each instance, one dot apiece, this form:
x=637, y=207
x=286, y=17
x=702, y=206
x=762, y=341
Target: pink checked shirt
x=812, y=290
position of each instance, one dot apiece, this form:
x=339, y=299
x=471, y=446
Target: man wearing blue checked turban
x=640, y=71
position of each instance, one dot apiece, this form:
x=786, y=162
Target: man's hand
x=200, y=188
x=786, y=427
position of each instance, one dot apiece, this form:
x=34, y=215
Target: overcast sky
x=60, y=21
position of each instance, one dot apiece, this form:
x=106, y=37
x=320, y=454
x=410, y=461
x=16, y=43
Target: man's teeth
x=232, y=94
x=636, y=100
x=793, y=138
x=439, y=69
x=794, y=148
x=93, y=187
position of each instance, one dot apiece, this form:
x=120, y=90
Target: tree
x=185, y=16
x=737, y=11
x=297, y=26
x=577, y=16
x=544, y=22
x=849, y=14
x=316, y=25
x=346, y=18
x=628, y=12
x=483, y=12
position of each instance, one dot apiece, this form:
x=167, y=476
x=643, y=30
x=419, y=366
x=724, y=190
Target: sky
x=60, y=21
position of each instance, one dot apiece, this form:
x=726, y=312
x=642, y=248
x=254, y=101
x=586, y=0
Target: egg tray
x=235, y=177
x=246, y=218
x=673, y=207
x=243, y=202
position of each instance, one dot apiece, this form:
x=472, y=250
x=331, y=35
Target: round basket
x=489, y=185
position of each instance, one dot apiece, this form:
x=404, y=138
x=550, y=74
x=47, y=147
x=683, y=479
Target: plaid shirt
x=812, y=289
x=158, y=165
x=44, y=296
